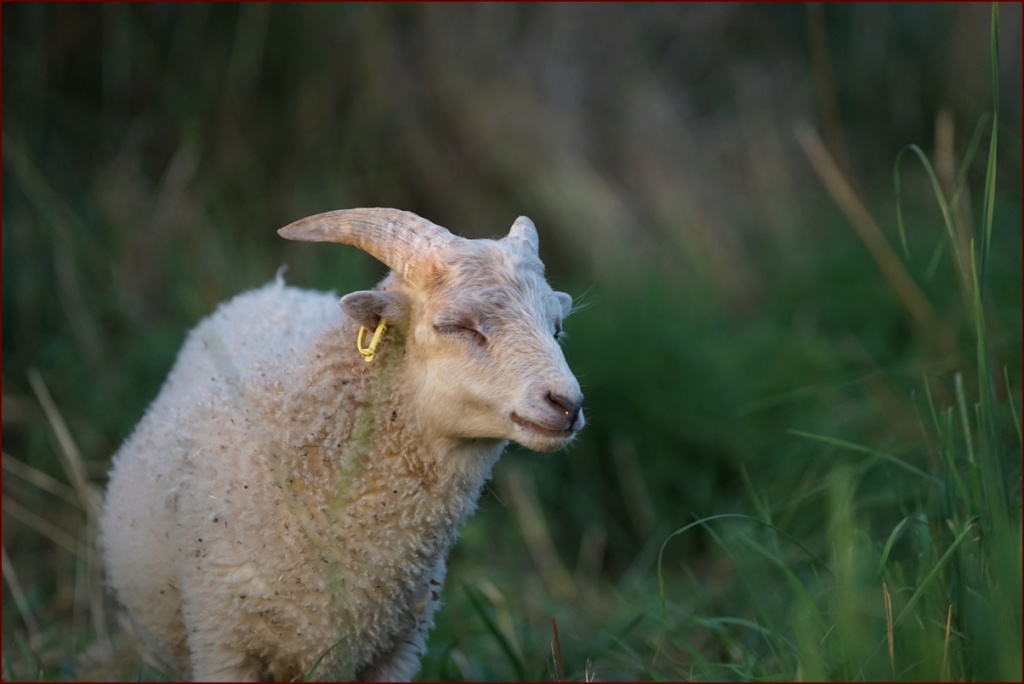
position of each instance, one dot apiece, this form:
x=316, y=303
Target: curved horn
x=524, y=231
x=398, y=239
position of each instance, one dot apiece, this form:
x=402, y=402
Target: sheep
x=286, y=505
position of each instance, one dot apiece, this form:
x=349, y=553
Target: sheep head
x=481, y=324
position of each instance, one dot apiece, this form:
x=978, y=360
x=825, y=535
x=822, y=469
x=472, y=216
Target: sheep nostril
x=571, y=407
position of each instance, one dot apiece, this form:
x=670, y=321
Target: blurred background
x=714, y=183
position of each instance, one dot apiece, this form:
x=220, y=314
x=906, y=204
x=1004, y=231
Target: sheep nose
x=571, y=407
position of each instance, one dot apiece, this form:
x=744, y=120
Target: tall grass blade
x=311, y=675
x=968, y=158
x=860, y=448
x=1013, y=407
x=940, y=198
x=887, y=549
x=71, y=455
x=42, y=480
x=945, y=644
x=932, y=574
x=867, y=230
x=988, y=207
x=961, y=398
x=478, y=606
x=558, y=674
x=890, y=637
x=723, y=516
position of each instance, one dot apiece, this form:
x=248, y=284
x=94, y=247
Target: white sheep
x=286, y=506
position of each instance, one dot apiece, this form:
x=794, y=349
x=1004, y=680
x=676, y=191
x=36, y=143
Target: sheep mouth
x=546, y=431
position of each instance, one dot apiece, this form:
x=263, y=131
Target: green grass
x=802, y=458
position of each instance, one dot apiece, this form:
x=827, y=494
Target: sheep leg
x=403, y=662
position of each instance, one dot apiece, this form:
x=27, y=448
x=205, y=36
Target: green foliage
x=783, y=476
x=939, y=599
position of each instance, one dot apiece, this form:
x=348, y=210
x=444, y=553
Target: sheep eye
x=465, y=329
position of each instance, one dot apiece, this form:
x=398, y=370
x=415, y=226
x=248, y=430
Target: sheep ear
x=368, y=306
x=525, y=232
x=565, y=301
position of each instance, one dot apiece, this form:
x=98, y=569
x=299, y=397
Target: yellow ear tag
x=370, y=352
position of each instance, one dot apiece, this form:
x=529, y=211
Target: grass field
x=795, y=231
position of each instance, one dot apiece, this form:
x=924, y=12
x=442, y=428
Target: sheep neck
x=370, y=476
x=381, y=444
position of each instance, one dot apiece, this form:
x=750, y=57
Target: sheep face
x=485, y=330
x=479, y=323
x=481, y=328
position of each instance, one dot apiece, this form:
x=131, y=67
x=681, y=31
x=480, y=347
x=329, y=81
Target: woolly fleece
x=274, y=507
